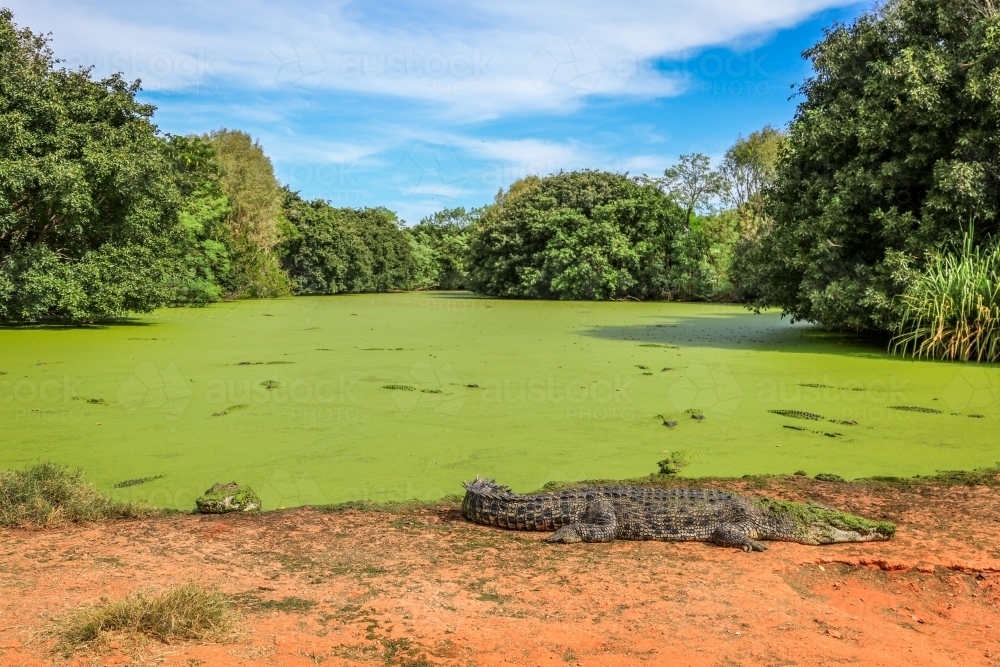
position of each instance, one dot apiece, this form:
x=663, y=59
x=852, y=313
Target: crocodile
x=607, y=513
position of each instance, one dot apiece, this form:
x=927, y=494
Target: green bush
x=701, y=258
x=440, y=245
x=47, y=495
x=201, y=257
x=952, y=308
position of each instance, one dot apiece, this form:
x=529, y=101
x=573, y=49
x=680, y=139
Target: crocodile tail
x=488, y=488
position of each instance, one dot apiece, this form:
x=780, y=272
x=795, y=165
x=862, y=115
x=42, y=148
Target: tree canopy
x=893, y=154
x=87, y=200
x=345, y=249
x=578, y=235
x=255, y=224
x=441, y=247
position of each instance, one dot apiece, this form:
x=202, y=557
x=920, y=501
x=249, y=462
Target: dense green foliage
x=845, y=220
x=748, y=170
x=952, y=308
x=87, y=205
x=893, y=153
x=255, y=221
x=345, y=249
x=701, y=259
x=441, y=248
x=579, y=235
x=201, y=261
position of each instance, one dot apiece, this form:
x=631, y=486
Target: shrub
x=952, y=308
x=440, y=245
x=47, y=494
x=183, y=613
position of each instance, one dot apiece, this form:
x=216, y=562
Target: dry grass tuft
x=46, y=495
x=184, y=613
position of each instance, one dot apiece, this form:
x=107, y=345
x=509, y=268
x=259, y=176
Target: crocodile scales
x=603, y=514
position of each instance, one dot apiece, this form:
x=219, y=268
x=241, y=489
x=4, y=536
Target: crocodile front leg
x=597, y=524
x=730, y=535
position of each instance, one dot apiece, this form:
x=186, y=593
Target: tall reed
x=952, y=309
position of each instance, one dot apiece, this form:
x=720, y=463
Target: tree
x=87, y=200
x=692, y=183
x=201, y=262
x=441, y=248
x=701, y=259
x=749, y=169
x=578, y=235
x=893, y=154
x=255, y=223
x=345, y=249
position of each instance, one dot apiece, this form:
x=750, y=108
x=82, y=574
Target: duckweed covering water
x=526, y=392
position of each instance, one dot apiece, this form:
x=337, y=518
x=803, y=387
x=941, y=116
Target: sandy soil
x=420, y=586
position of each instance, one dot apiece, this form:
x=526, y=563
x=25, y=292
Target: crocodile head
x=812, y=523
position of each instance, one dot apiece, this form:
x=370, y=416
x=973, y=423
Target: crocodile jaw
x=821, y=533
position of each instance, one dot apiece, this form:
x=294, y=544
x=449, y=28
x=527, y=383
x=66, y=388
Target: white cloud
x=477, y=60
x=368, y=103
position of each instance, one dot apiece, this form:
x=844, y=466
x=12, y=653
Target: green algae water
x=318, y=400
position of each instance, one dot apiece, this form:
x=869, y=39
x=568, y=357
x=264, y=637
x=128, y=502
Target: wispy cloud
x=475, y=59
x=419, y=104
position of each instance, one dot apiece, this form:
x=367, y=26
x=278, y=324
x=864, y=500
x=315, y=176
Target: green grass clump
x=675, y=462
x=287, y=605
x=952, y=308
x=48, y=494
x=184, y=613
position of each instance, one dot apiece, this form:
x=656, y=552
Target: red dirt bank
x=418, y=587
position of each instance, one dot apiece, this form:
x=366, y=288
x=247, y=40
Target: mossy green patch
x=529, y=392
x=808, y=514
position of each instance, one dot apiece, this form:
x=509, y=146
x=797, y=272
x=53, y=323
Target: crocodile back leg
x=598, y=523
x=733, y=535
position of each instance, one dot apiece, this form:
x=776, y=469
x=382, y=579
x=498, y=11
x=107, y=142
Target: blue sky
x=422, y=105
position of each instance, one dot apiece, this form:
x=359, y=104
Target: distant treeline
x=876, y=209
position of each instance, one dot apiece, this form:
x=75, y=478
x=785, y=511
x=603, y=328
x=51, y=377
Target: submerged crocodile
x=603, y=514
